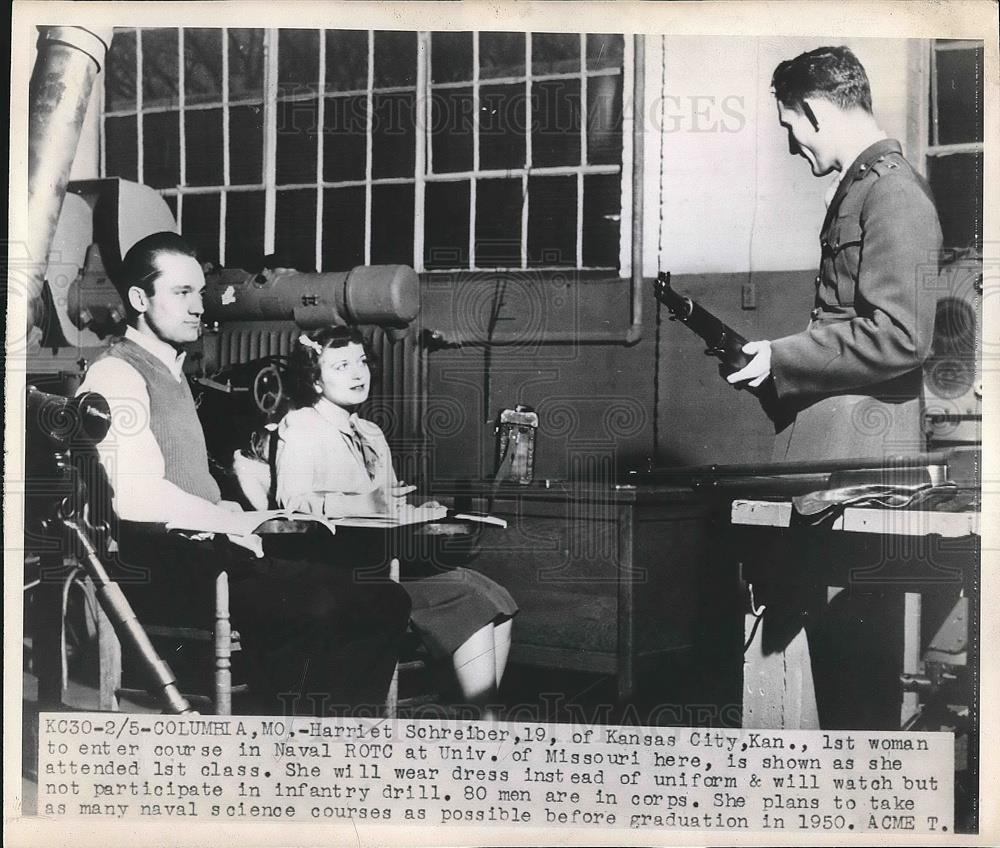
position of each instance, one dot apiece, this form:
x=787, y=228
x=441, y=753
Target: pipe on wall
x=69, y=60
x=634, y=331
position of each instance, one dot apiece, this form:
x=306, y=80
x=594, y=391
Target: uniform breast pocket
x=844, y=245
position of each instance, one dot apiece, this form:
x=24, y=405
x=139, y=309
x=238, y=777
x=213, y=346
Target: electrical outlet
x=749, y=294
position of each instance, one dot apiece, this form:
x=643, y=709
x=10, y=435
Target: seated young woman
x=331, y=462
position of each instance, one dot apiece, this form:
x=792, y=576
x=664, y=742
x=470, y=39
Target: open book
x=406, y=515
x=245, y=523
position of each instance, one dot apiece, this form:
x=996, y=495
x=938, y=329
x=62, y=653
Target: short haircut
x=140, y=267
x=303, y=363
x=833, y=73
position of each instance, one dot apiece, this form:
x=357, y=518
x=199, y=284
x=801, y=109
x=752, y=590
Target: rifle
x=723, y=341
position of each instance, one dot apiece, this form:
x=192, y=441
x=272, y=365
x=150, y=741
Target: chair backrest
x=255, y=469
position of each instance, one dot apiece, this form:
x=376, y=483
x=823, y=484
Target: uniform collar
x=859, y=168
x=164, y=352
x=868, y=156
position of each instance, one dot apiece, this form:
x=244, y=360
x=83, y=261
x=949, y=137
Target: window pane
x=960, y=96
x=604, y=120
x=203, y=66
x=393, y=134
x=604, y=51
x=201, y=224
x=298, y=61
x=451, y=130
x=555, y=122
x=119, y=83
x=159, y=68
x=246, y=144
x=344, y=138
x=121, y=148
x=446, y=225
x=552, y=221
x=346, y=60
x=295, y=158
x=295, y=230
x=203, y=146
x=246, y=64
x=451, y=56
x=244, y=229
x=343, y=228
x=601, y=220
x=395, y=59
x=161, y=142
x=502, y=126
x=957, y=183
x=498, y=223
x=392, y=224
x=501, y=54
x=171, y=201
x=554, y=53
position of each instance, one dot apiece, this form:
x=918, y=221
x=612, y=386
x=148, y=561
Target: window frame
x=423, y=164
x=923, y=129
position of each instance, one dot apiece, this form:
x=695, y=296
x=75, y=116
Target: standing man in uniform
x=313, y=636
x=849, y=385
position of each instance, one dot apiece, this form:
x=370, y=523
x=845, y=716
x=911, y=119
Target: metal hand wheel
x=267, y=389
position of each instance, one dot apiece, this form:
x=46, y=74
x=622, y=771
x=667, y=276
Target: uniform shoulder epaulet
x=887, y=164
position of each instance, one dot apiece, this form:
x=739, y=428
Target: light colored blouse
x=321, y=465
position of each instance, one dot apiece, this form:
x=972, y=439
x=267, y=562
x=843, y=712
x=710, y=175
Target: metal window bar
x=475, y=149
x=628, y=161
x=226, y=164
x=270, y=135
x=423, y=171
x=570, y=75
x=320, y=134
x=939, y=150
x=181, y=99
x=580, y=171
x=208, y=104
x=139, y=175
x=528, y=150
x=934, y=101
x=422, y=105
x=369, y=128
x=583, y=149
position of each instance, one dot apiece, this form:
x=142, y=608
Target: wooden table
x=910, y=551
x=609, y=578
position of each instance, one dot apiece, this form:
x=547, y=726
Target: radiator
x=399, y=395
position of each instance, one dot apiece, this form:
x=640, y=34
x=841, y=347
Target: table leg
x=778, y=691
x=626, y=605
x=911, y=653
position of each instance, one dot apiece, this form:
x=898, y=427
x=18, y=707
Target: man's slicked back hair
x=833, y=73
x=140, y=267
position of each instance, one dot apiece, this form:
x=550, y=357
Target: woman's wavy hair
x=303, y=370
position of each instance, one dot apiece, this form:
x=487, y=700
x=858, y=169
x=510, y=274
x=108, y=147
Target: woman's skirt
x=450, y=606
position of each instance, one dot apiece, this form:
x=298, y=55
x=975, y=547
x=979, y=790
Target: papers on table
x=246, y=523
x=406, y=515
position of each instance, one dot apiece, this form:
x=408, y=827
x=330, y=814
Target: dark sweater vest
x=173, y=421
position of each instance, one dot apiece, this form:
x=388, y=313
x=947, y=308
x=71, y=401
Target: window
x=333, y=148
x=955, y=140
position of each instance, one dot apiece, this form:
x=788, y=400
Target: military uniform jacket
x=850, y=384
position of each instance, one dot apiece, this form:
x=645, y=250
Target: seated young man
x=312, y=635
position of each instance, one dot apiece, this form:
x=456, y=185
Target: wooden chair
x=254, y=473
x=77, y=543
x=223, y=638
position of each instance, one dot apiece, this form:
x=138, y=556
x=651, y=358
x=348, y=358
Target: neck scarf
x=368, y=454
